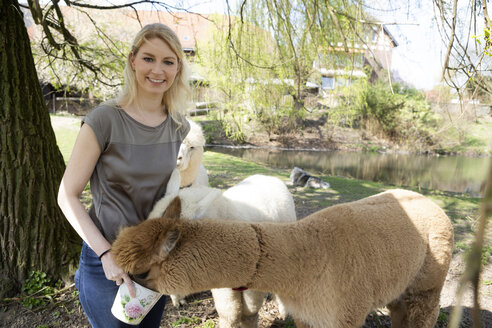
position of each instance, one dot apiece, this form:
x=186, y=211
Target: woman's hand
x=115, y=273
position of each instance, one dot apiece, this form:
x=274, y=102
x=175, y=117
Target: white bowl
x=133, y=310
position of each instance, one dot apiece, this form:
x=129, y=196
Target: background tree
x=466, y=31
x=83, y=45
x=273, y=49
x=305, y=34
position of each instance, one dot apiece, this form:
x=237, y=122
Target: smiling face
x=155, y=65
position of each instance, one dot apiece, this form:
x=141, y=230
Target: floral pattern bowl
x=133, y=310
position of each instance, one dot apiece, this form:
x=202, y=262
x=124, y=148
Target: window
x=374, y=36
x=328, y=82
x=341, y=81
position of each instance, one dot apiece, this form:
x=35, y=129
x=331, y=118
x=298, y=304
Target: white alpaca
x=257, y=198
x=190, y=155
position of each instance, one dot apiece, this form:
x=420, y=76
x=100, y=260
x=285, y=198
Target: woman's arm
x=85, y=155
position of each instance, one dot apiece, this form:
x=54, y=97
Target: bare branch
x=126, y=5
x=232, y=44
x=451, y=39
x=338, y=27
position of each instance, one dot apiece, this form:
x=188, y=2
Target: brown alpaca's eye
x=142, y=275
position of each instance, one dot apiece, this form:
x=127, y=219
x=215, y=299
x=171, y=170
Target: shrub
x=400, y=113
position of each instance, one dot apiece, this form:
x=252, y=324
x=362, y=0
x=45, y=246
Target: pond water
x=446, y=173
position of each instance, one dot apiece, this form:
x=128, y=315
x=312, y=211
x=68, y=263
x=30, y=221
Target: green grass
x=468, y=137
x=66, y=135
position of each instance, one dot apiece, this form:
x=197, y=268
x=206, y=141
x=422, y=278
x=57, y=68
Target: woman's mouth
x=156, y=81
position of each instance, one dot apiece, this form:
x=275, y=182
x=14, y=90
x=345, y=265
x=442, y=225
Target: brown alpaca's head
x=141, y=250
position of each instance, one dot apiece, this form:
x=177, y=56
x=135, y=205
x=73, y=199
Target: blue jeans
x=96, y=294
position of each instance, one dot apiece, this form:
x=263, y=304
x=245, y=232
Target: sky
x=418, y=57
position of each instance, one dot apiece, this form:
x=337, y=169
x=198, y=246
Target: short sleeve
x=100, y=122
x=180, y=127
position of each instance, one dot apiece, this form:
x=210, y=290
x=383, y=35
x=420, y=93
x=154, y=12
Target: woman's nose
x=157, y=68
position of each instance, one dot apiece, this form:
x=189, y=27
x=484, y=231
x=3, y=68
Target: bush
x=402, y=115
x=274, y=108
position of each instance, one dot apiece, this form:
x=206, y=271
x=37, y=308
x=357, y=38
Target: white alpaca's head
x=191, y=149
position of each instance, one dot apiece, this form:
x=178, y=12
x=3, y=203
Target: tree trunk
x=34, y=234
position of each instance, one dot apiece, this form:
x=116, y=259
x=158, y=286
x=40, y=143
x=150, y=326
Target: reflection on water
x=447, y=173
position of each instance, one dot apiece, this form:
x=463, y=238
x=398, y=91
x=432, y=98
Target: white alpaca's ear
x=160, y=207
x=203, y=205
x=170, y=241
x=173, y=183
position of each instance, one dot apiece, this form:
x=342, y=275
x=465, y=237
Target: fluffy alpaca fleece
x=330, y=269
x=257, y=198
x=190, y=155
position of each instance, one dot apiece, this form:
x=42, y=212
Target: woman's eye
x=148, y=59
x=168, y=62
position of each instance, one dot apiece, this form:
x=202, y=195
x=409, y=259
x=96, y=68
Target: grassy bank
x=457, y=137
x=468, y=138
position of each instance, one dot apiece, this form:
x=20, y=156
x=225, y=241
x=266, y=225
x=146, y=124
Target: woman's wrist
x=104, y=253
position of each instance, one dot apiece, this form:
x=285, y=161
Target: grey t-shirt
x=134, y=167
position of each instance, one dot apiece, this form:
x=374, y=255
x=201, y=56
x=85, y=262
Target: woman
x=127, y=147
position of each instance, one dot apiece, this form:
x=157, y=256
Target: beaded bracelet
x=104, y=253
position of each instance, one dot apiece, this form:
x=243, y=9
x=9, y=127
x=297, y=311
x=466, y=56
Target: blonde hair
x=176, y=98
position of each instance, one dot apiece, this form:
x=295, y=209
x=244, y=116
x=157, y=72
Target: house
x=339, y=66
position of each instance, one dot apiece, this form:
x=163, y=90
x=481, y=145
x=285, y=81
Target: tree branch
x=451, y=39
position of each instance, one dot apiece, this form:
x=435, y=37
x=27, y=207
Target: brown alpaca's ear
x=170, y=241
x=173, y=211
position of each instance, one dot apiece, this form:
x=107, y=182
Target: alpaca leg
x=228, y=304
x=252, y=302
x=422, y=297
x=398, y=314
x=300, y=324
x=178, y=300
x=282, y=311
x=423, y=308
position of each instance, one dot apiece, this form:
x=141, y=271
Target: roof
x=390, y=36
x=123, y=24
x=188, y=27
x=341, y=72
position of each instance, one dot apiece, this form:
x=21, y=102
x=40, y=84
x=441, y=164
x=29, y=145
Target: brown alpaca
x=329, y=269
